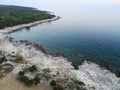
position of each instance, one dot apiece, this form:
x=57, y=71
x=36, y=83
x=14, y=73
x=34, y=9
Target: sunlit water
x=82, y=33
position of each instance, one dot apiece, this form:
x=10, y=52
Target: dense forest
x=15, y=15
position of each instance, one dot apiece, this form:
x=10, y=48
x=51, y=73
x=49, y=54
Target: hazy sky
x=109, y=6
x=63, y=1
x=58, y=4
x=87, y=10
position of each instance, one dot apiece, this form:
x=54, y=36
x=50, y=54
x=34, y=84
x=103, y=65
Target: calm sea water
x=82, y=33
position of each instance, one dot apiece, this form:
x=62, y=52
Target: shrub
x=26, y=80
x=36, y=80
x=13, y=52
x=13, y=55
x=21, y=73
x=33, y=68
x=79, y=82
x=58, y=88
x=47, y=70
x=53, y=83
x=46, y=76
x=3, y=59
x=58, y=73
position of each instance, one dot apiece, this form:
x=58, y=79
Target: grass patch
x=18, y=58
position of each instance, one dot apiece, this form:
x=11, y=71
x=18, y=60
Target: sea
x=83, y=32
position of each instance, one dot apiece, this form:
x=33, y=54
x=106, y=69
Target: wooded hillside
x=15, y=15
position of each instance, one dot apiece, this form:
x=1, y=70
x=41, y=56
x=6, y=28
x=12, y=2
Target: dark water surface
x=82, y=33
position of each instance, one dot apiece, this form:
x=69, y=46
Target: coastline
x=89, y=73
x=18, y=27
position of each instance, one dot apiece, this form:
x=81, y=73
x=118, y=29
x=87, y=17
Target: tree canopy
x=15, y=15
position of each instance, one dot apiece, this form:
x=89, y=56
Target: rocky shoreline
x=87, y=76
x=94, y=77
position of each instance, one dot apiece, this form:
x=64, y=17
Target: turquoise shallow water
x=81, y=34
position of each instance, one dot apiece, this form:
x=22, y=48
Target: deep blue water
x=81, y=34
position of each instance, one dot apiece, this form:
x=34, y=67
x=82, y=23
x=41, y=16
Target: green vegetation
x=15, y=15
x=7, y=67
x=58, y=73
x=58, y=87
x=79, y=82
x=21, y=73
x=67, y=83
x=2, y=59
x=31, y=75
x=4, y=56
x=53, y=83
x=36, y=80
x=46, y=76
x=33, y=68
x=47, y=70
x=26, y=80
x=18, y=58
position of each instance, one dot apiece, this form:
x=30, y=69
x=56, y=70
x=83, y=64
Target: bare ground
x=11, y=83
